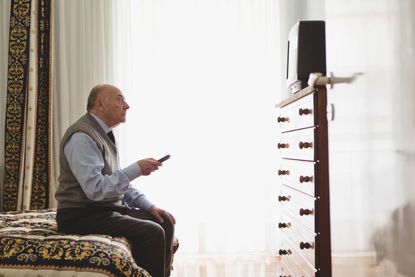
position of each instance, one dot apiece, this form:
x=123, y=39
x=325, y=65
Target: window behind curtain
x=202, y=79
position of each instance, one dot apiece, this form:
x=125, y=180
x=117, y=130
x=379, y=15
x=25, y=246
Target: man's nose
x=126, y=106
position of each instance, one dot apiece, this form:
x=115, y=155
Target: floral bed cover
x=30, y=245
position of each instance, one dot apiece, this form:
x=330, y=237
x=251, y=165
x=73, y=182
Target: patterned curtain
x=28, y=119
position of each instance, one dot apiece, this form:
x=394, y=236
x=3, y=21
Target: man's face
x=114, y=107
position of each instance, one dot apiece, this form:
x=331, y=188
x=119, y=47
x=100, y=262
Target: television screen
x=306, y=53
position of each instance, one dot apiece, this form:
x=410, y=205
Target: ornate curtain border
x=42, y=158
x=19, y=40
x=18, y=92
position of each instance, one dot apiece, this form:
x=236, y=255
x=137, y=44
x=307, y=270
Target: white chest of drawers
x=304, y=222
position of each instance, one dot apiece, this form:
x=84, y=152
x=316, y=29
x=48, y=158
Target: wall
x=371, y=139
x=372, y=154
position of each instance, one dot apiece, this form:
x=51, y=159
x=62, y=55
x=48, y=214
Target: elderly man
x=95, y=195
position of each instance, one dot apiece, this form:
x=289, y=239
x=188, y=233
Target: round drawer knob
x=306, y=212
x=283, y=198
x=282, y=119
x=283, y=172
x=305, y=179
x=283, y=145
x=283, y=225
x=304, y=111
x=284, y=252
x=305, y=144
x=306, y=245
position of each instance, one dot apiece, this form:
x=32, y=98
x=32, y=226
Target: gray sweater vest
x=69, y=193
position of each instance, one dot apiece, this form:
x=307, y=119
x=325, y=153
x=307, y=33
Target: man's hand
x=159, y=214
x=148, y=165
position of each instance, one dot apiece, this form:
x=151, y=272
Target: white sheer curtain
x=83, y=41
x=4, y=47
x=202, y=79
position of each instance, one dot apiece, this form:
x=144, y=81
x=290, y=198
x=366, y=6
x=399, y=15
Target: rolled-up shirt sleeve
x=86, y=163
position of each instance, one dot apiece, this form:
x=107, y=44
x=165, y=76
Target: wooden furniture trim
x=302, y=93
x=322, y=192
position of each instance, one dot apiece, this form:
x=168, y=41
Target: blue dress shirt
x=86, y=163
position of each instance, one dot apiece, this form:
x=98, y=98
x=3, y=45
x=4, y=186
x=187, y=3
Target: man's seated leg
x=168, y=228
x=146, y=237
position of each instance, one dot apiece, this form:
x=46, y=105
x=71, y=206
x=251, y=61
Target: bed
x=30, y=245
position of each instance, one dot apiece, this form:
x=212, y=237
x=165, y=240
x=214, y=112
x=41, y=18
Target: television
x=306, y=53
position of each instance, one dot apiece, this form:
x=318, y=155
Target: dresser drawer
x=298, y=144
x=297, y=115
x=301, y=237
x=302, y=242
x=292, y=263
x=298, y=175
x=290, y=225
x=299, y=205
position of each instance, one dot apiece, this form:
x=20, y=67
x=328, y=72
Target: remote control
x=164, y=158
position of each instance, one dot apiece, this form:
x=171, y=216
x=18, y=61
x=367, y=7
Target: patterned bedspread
x=31, y=246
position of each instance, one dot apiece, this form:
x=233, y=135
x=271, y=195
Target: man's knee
x=158, y=231
x=152, y=231
x=168, y=227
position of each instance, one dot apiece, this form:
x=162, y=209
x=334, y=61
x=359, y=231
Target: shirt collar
x=101, y=123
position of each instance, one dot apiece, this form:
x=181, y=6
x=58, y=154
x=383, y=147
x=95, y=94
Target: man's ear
x=99, y=104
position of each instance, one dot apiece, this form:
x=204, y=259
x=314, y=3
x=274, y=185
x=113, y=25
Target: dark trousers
x=151, y=241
